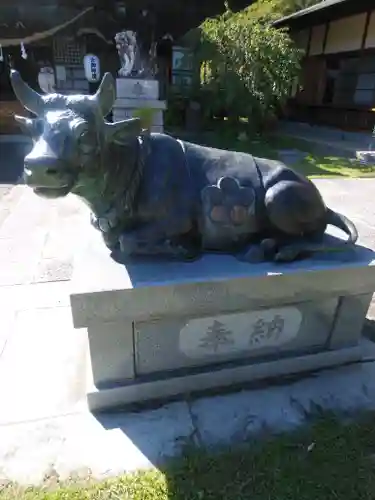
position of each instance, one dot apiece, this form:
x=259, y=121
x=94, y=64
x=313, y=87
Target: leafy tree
x=247, y=66
x=268, y=10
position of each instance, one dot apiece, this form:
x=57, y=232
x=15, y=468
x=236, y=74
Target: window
x=355, y=82
x=346, y=81
x=365, y=88
x=68, y=52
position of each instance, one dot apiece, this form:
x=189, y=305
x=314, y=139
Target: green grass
x=327, y=461
x=314, y=165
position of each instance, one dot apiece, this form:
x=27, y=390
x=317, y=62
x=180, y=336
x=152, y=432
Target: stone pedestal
x=159, y=329
x=133, y=94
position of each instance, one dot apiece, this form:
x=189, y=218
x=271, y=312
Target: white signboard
x=135, y=88
x=46, y=80
x=91, y=64
x=233, y=333
x=60, y=73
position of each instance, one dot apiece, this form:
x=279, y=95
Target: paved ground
x=329, y=140
x=44, y=366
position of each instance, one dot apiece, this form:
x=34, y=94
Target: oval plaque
x=233, y=333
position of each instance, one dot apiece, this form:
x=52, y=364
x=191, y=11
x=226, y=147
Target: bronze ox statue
x=151, y=194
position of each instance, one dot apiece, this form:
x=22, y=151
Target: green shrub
x=146, y=115
x=247, y=66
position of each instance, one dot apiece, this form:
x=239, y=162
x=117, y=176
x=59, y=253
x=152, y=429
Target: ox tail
x=344, y=224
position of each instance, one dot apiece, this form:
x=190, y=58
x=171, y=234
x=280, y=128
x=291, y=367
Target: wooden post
x=325, y=38
x=365, y=30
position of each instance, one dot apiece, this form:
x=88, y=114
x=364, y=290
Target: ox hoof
x=127, y=245
x=254, y=255
x=288, y=254
x=111, y=242
x=94, y=221
x=184, y=253
x=269, y=248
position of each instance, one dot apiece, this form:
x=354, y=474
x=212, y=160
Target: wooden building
x=337, y=84
x=57, y=34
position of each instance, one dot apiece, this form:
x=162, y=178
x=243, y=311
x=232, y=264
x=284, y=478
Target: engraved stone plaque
x=231, y=333
x=190, y=341
x=137, y=88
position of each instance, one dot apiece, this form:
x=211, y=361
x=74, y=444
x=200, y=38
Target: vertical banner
x=91, y=64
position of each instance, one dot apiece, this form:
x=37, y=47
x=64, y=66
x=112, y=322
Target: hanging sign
x=60, y=73
x=91, y=64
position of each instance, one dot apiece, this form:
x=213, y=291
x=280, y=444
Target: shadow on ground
x=11, y=161
x=326, y=459
x=306, y=464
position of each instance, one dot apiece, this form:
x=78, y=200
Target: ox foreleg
x=155, y=239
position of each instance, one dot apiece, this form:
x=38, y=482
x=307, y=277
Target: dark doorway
x=331, y=79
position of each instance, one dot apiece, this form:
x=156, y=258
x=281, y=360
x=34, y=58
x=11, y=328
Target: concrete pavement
x=328, y=140
x=45, y=367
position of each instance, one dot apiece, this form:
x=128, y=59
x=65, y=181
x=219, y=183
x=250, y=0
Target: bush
x=174, y=115
x=146, y=115
x=247, y=66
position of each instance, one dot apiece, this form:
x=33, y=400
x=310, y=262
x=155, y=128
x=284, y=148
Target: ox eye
x=83, y=136
x=79, y=127
x=86, y=141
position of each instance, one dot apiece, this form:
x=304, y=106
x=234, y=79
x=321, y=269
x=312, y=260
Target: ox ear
x=31, y=126
x=106, y=94
x=122, y=131
x=28, y=97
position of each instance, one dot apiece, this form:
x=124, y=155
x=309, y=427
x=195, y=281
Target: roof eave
x=324, y=5
x=325, y=11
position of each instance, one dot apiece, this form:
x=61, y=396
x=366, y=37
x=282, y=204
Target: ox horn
x=28, y=97
x=105, y=95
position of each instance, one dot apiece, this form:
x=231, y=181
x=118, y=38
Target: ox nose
x=39, y=170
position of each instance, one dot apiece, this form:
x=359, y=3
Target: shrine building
x=337, y=85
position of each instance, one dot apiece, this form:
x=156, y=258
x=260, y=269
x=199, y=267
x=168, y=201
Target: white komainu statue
x=126, y=45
